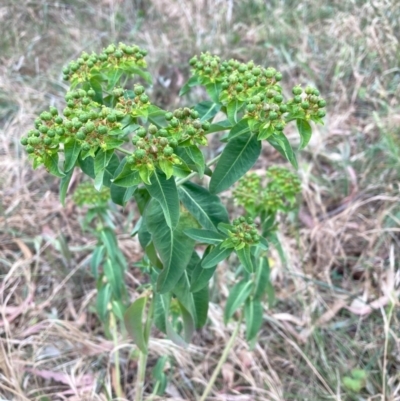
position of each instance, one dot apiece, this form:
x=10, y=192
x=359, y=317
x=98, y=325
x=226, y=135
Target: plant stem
x=117, y=379
x=187, y=178
x=142, y=363
x=127, y=152
x=222, y=360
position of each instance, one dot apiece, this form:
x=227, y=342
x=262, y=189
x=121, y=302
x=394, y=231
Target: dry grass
x=341, y=271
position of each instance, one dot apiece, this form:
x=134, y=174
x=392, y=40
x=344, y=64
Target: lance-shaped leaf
x=237, y=297
x=233, y=108
x=253, y=314
x=72, y=149
x=245, y=258
x=120, y=195
x=237, y=158
x=279, y=141
x=213, y=89
x=102, y=301
x=305, y=132
x=64, y=184
x=193, y=81
x=166, y=193
x=241, y=128
x=51, y=163
x=114, y=275
x=188, y=323
x=206, y=208
x=200, y=277
x=205, y=236
x=196, y=155
x=133, y=319
x=97, y=258
x=207, y=110
x=201, y=299
x=218, y=254
x=262, y=278
x=174, y=247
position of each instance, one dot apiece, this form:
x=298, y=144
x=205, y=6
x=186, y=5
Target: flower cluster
x=279, y=193
x=243, y=232
x=185, y=126
x=121, y=56
x=307, y=103
x=86, y=194
x=153, y=148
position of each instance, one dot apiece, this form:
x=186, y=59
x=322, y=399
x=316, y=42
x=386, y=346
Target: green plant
x=113, y=133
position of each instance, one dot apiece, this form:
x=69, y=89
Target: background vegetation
x=338, y=284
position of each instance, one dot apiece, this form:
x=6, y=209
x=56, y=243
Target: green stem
x=118, y=388
x=142, y=363
x=191, y=175
x=222, y=360
x=122, y=150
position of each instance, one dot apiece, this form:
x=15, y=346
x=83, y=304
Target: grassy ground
x=333, y=311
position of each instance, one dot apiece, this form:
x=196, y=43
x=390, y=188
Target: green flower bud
x=30, y=149
x=67, y=112
x=305, y=105
x=251, y=83
x=85, y=146
x=256, y=71
x=251, y=108
x=46, y=116
x=309, y=90
x=70, y=104
x=321, y=113
x=119, y=114
x=163, y=132
x=255, y=238
x=77, y=124
x=168, y=151
x=68, y=124
x=90, y=127
x=91, y=93
x=144, y=98
x=273, y=115
x=80, y=61
x=173, y=142
x=141, y=132
x=81, y=135
x=73, y=66
x=225, y=85
x=297, y=99
x=206, y=125
x=85, y=101
x=118, y=54
x=93, y=115
x=193, y=61
x=141, y=143
x=51, y=133
x=59, y=131
x=103, y=57
x=24, y=141
x=140, y=154
x=164, y=141
x=297, y=91
x=83, y=117
x=110, y=49
x=278, y=77
x=279, y=126
x=321, y=103
x=242, y=219
x=117, y=92
x=197, y=124
x=263, y=82
x=130, y=159
x=278, y=98
x=81, y=93
x=152, y=129
x=236, y=222
x=239, y=88
x=65, y=70
x=112, y=118
x=270, y=72
x=135, y=139
x=194, y=114
x=283, y=108
x=139, y=90
x=47, y=141
x=43, y=129
x=247, y=237
x=174, y=122
x=53, y=111
x=168, y=116
x=191, y=130
x=58, y=120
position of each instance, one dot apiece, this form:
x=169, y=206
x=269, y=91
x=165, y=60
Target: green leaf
x=133, y=69
x=167, y=168
x=133, y=319
x=102, y=301
x=127, y=178
x=201, y=301
x=108, y=238
x=207, y=209
x=279, y=141
x=245, y=258
x=219, y=126
x=265, y=132
x=262, y=277
x=173, y=246
x=218, y=254
x=200, y=276
x=232, y=109
x=71, y=152
x=101, y=160
x=114, y=276
x=51, y=163
x=237, y=297
x=120, y=195
x=96, y=259
x=207, y=110
x=204, y=236
x=193, y=81
x=113, y=76
x=305, y=132
x=253, y=314
x=64, y=184
x=87, y=165
x=166, y=193
x=161, y=310
x=188, y=323
x=196, y=155
x=213, y=89
x=242, y=127
x=237, y=158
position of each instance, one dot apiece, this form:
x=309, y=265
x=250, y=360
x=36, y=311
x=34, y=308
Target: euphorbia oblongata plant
x=112, y=131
